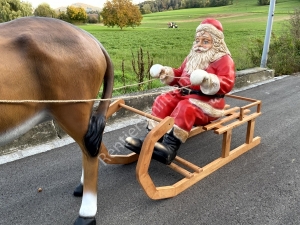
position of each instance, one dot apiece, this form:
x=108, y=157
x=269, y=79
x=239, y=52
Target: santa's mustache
x=200, y=49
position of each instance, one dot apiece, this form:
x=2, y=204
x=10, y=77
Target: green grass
x=243, y=22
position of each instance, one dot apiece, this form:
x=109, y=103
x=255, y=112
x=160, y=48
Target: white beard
x=199, y=60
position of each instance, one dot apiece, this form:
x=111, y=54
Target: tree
x=63, y=16
x=44, y=10
x=93, y=18
x=147, y=8
x=26, y=9
x=77, y=14
x=13, y=9
x=121, y=13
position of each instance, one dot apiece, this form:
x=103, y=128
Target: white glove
x=198, y=77
x=164, y=73
x=156, y=70
x=209, y=83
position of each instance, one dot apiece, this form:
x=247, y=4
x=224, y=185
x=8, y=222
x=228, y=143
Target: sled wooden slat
x=181, y=170
x=114, y=107
x=237, y=123
x=196, y=130
x=117, y=159
x=241, y=98
x=188, y=164
x=233, y=117
x=226, y=119
x=149, y=116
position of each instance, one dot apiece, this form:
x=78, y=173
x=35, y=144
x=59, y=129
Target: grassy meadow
x=243, y=22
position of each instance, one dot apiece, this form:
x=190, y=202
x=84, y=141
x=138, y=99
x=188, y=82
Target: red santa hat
x=211, y=26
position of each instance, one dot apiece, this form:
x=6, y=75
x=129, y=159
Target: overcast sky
x=58, y=3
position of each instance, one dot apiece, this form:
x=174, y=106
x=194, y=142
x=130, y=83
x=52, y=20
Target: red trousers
x=185, y=114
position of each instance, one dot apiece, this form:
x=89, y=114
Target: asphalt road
x=260, y=187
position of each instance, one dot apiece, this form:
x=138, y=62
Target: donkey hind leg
x=88, y=207
x=92, y=141
x=76, y=125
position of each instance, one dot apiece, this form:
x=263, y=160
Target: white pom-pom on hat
x=155, y=70
x=197, y=76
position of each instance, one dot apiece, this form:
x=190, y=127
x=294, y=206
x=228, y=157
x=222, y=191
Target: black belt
x=187, y=91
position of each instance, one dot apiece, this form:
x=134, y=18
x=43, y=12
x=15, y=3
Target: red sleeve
x=225, y=70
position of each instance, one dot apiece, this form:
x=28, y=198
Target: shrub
x=263, y=2
x=92, y=19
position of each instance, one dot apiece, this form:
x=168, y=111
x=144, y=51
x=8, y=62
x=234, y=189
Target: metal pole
x=264, y=57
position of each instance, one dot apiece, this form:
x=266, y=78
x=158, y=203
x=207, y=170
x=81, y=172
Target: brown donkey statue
x=45, y=59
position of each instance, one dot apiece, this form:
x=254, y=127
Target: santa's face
x=203, y=42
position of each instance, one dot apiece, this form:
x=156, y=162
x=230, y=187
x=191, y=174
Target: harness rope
x=131, y=85
x=96, y=99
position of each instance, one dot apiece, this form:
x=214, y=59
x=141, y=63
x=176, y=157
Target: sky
x=58, y=3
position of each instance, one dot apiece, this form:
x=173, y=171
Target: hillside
x=82, y=5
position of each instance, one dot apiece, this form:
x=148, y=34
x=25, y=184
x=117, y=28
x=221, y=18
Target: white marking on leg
x=82, y=176
x=88, y=205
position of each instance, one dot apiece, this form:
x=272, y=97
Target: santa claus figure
x=204, y=77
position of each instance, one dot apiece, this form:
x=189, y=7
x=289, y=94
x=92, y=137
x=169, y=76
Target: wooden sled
x=232, y=118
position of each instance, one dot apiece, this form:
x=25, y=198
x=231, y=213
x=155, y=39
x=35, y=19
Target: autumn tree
x=77, y=14
x=63, y=16
x=13, y=9
x=121, y=13
x=44, y=10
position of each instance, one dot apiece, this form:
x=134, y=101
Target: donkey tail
x=93, y=137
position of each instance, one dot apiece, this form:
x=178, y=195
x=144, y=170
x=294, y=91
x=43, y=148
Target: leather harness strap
x=188, y=91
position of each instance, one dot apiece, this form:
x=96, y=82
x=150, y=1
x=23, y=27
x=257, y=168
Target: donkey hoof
x=78, y=192
x=85, y=221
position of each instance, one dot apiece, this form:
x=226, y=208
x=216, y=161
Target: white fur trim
x=210, y=29
x=168, y=76
x=207, y=109
x=198, y=76
x=210, y=84
x=155, y=70
x=181, y=134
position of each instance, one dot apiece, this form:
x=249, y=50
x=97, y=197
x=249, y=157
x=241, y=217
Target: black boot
x=135, y=144
x=164, y=152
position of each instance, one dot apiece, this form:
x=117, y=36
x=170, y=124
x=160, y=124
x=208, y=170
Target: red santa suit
x=204, y=77
x=198, y=108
